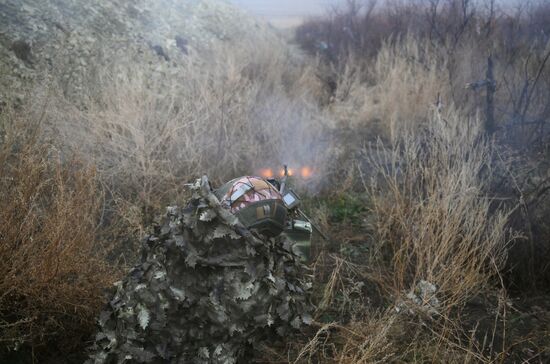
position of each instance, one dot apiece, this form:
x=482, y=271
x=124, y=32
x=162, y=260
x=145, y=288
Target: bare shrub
x=453, y=40
x=150, y=132
x=367, y=341
x=434, y=219
x=349, y=327
x=385, y=97
x=52, y=267
x=395, y=92
x=431, y=217
x=435, y=55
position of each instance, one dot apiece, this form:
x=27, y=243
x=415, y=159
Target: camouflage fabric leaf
x=243, y=290
x=296, y=323
x=143, y=317
x=178, y=293
x=222, y=231
x=191, y=259
x=207, y=215
x=306, y=318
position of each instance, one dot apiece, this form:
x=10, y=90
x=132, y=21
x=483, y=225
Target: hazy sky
x=281, y=12
x=284, y=7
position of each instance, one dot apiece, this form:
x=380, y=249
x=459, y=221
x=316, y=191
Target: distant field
x=284, y=21
x=285, y=13
x=285, y=7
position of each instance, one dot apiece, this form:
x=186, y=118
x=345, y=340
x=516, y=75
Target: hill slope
x=72, y=39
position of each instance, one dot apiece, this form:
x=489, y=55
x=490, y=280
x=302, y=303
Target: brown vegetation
x=52, y=266
x=446, y=195
x=149, y=134
x=432, y=217
x=430, y=174
x=483, y=61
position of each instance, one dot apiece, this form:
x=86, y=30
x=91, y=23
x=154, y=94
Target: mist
x=285, y=13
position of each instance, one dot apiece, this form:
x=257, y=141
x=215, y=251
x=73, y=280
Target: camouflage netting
x=206, y=289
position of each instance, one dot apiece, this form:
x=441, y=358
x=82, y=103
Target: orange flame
x=290, y=172
x=266, y=173
x=306, y=172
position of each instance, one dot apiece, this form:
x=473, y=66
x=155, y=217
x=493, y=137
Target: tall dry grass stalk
x=434, y=219
x=367, y=341
x=52, y=267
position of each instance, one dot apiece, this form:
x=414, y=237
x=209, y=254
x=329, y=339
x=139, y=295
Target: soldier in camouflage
x=215, y=277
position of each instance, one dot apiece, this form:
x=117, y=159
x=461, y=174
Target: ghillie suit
x=206, y=289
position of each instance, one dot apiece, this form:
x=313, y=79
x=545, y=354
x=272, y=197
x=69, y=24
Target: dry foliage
x=151, y=132
x=433, y=217
x=387, y=63
x=52, y=271
x=430, y=218
x=432, y=213
x=365, y=99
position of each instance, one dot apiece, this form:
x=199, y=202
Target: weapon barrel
x=283, y=180
x=314, y=226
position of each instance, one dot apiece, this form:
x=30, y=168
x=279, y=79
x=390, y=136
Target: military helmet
x=256, y=203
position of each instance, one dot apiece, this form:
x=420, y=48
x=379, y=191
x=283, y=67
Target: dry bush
x=391, y=61
x=525, y=182
x=51, y=263
x=386, y=336
x=151, y=132
x=441, y=62
x=361, y=27
x=385, y=97
x=352, y=325
x=433, y=217
x=367, y=341
x=395, y=92
x=430, y=218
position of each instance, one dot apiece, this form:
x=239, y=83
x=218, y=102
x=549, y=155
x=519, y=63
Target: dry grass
x=430, y=218
x=390, y=62
x=434, y=219
x=51, y=265
x=146, y=133
x=359, y=342
x=393, y=93
x=354, y=328
x=432, y=215
x=149, y=133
